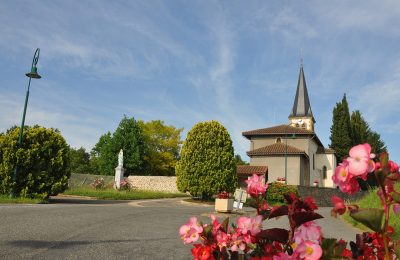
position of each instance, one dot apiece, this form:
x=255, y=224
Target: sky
x=185, y=62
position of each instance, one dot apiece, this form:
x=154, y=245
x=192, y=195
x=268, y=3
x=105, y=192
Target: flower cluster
x=125, y=184
x=304, y=239
x=98, y=184
x=223, y=195
x=281, y=179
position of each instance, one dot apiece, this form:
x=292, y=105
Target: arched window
x=278, y=140
x=324, y=172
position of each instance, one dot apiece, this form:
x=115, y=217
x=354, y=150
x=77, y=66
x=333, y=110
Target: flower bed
x=304, y=239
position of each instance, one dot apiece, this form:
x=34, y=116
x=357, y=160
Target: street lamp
x=31, y=75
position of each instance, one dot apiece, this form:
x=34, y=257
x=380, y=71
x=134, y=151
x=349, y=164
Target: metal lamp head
x=33, y=74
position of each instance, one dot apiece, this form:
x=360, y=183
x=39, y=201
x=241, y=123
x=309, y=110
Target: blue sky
x=188, y=61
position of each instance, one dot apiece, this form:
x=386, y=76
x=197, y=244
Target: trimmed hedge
x=42, y=159
x=276, y=190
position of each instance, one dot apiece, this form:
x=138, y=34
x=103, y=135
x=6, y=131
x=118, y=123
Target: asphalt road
x=87, y=229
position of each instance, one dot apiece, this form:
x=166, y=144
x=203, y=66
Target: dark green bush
x=207, y=164
x=276, y=190
x=42, y=159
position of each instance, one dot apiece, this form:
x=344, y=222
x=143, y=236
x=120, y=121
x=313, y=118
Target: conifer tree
x=341, y=139
x=359, y=128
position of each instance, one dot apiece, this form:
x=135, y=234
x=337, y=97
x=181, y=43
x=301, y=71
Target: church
x=291, y=152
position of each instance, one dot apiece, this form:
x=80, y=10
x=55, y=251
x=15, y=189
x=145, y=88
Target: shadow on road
x=66, y=200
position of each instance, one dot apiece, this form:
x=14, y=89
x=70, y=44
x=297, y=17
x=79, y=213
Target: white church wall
x=276, y=167
x=328, y=160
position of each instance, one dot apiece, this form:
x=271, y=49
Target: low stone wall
x=154, y=183
x=323, y=196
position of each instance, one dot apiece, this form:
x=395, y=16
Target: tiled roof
x=278, y=130
x=276, y=149
x=325, y=150
x=248, y=170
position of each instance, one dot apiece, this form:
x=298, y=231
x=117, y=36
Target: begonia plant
x=247, y=239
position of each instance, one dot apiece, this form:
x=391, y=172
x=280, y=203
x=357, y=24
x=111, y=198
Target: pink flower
x=338, y=205
x=255, y=186
x=396, y=208
x=237, y=243
x=222, y=240
x=190, y=231
x=341, y=173
x=359, y=160
x=252, y=225
x=351, y=186
x=309, y=250
x=309, y=231
x=393, y=167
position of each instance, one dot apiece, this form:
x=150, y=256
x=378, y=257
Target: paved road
x=87, y=229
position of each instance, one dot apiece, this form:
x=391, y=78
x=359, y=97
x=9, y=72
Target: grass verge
x=111, y=194
x=5, y=199
x=371, y=200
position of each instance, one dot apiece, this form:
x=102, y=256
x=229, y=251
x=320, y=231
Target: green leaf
x=396, y=196
x=371, y=218
x=397, y=250
x=384, y=158
x=225, y=224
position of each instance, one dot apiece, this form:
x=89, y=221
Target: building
x=293, y=151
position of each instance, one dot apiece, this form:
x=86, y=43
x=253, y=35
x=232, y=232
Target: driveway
x=92, y=229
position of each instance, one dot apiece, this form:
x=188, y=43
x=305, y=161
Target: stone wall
x=323, y=196
x=154, y=183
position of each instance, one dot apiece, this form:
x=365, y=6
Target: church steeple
x=301, y=115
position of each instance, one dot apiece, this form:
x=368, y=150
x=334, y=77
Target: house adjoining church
x=292, y=151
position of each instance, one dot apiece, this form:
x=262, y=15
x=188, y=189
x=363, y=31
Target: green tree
x=207, y=164
x=42, y=159
x=239, y=161
x=341, y=138
x=128, y=137
x=377, y=145
x=162, y=147
x=359, y=128
x=79, y=161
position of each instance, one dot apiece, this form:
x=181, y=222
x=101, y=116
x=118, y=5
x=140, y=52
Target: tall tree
x=341, y=139
x=239, y=161
x=377, y=145
x=162, y=147
x=359, y=128
x=128, y=137
x=79, y=161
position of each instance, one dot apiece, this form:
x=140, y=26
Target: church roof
x=248, y=170
x=325, y=150
x=276, y=149
x=302, y=105
x=278, y=130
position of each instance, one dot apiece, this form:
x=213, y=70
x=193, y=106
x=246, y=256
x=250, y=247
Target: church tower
x=301, y=115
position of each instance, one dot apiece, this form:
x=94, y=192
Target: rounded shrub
x=207, y=164
x=42, y=160
x=276, y=190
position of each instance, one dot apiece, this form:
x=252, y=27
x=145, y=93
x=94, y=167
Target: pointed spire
x=302, y=106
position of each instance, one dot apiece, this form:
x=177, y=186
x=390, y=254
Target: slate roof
x=276, y=149
x=249, y=170
x=301, y=105
x=284, y=130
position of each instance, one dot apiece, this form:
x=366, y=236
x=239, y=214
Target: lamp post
x=31, y=75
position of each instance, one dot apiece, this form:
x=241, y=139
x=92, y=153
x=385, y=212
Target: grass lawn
x=112, y=194
x=371, y=200
x=5, y=199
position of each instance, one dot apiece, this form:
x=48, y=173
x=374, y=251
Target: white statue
x=121, y=158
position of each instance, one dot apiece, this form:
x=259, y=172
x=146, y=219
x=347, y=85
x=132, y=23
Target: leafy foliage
x=128, y=137
x=277, y=190
x=341, y=137
x=162, y=147
x=207, y=165
x=79, y=161
x=239, y=160
x=42, y=159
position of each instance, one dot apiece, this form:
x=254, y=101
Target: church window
x=324, y=172
x=303, y=125
x=278, y=140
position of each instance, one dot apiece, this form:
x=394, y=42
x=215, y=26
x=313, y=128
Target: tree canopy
x=207, y=164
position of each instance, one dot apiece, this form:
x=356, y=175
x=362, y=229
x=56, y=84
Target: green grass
x=112, y=194
x=371, y=200
x=5, y=199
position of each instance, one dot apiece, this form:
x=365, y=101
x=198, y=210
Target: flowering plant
x=125, y=184
x=98, y=183
x=304, y=239
x=281, y=179
x=316, y=181
x=223, y=195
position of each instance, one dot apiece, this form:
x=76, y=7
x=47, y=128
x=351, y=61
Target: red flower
x=338, y=206
x=201, y=252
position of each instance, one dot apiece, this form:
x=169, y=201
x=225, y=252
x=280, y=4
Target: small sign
x=240, y=195
x=237, y=205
